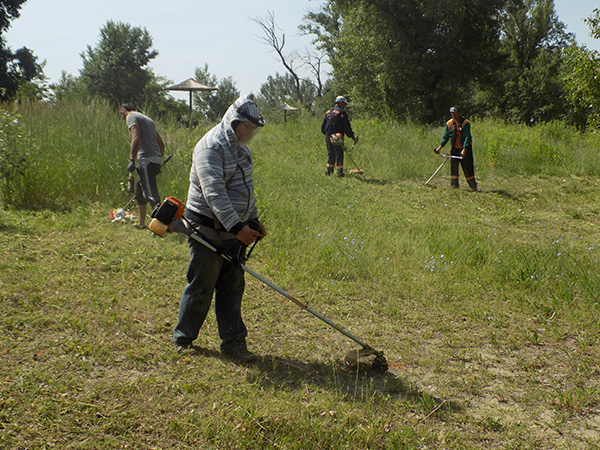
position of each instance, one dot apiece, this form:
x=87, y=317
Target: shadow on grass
x=360, y=383
x=40, y=206
x=9, y=228
x=500, y=192
x=12, y=228
x=374, y=181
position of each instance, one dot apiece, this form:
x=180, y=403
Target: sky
x=186, y=33
x=190, y=33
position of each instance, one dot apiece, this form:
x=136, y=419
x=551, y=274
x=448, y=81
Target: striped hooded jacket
x=221, y=174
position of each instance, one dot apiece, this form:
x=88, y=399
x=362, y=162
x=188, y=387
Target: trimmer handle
x=255, y=225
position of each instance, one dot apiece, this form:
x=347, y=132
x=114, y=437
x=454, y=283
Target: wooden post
x=190, y=119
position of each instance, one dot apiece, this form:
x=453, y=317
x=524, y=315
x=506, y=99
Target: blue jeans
x=210, y=273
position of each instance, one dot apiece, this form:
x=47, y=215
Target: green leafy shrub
x=15, y=148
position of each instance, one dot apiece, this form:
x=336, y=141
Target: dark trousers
x=466, y=163
x=146, y=189
x=209, y=273
x=335, y=153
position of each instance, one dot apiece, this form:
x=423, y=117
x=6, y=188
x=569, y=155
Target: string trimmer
x=446, y=158
x=168, y=217
x=358, y=170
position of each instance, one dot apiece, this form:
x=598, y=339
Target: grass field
x=485, y=304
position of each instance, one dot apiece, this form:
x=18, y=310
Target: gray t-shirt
x=149, y=149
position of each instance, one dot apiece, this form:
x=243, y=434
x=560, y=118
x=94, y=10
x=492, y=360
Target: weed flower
x=431, y=263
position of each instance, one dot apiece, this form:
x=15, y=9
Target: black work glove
x=254, y=224
x=131, y=166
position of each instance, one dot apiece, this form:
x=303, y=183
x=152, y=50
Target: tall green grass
x=78, y=152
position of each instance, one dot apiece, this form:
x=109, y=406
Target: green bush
x=16, y=147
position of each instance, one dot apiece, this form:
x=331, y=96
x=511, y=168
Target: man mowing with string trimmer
x=334, y=126
x=458, y=131
x=148, y=147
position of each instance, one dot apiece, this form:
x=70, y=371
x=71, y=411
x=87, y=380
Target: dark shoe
x=329, y=171
x=240, y=354
x=473, y=185
x=188, y=349
x=340, y=172
x=140, y=227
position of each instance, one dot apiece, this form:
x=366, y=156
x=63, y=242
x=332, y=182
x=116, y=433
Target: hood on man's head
x=246, y=109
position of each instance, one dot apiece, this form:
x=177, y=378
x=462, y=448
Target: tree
x=583, y=78
x=9, y=10
x=157, y=101
x=21, y=67
x=325, y=25
x=529, y=85
x=116, y=69
x=281, y=89
x=314, y=62
x=212, y=105
x=21, y=72
x=300, y=86
x=409, y=58
x=271, y=38
x=68, y=87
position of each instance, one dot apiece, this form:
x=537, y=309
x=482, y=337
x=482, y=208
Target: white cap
x=454, y=109
x=341, y=99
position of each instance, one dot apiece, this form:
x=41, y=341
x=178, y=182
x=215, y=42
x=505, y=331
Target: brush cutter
x=168, y=217
x=446, y=158
x=121, y=214
x=358, y=170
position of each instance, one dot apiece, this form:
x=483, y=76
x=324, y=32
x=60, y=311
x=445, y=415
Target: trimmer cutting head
x=378, y=364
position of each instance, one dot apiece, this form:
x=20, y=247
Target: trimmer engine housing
x=164, y=214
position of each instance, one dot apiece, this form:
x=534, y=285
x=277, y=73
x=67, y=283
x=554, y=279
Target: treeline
x=510, y=59
x=507, y=59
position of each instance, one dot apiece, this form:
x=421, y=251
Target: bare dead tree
x=314, y=61
x=271, y=38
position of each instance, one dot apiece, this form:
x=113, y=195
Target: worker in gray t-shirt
x=149, y=148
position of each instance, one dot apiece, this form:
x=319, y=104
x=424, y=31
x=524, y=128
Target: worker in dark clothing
x=335, y=125
x=458, y=132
